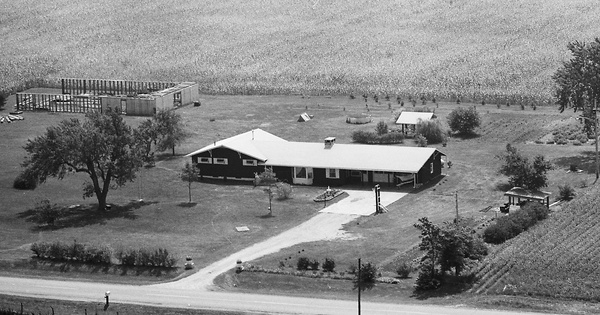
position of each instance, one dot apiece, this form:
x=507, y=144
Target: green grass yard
x=205, y=230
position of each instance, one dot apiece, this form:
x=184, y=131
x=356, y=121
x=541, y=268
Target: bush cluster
x=566, y=192
x=369, y=137
x=513, y=224
x=25, y=181
x=305, y=264
x=78, y=252
x=284, y=190
x=146, y=257
x=102, y=255
x=431, y=130
x=571, y=132
x=403, y=270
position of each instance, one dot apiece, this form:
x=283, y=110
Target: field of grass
x=476, y=49
x=205, y=230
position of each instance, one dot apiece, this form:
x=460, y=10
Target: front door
x=302, y=175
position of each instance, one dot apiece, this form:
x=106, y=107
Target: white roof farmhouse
x=275, y=151
x=412, y=118
x=244, y=143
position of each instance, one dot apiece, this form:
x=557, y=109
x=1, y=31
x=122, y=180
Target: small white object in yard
x=242, y=228
x=74, y=206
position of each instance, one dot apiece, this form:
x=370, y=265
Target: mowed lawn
x=205, y=230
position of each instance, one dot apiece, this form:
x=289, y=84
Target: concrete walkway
x=326, y=225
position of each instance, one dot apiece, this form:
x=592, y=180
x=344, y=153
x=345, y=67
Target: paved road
x=193, y=291
x=201, y=299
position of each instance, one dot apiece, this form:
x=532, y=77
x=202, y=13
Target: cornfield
x=497, y=51
x=558, y=258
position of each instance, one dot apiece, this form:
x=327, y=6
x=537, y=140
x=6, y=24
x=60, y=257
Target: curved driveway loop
x=326, y=225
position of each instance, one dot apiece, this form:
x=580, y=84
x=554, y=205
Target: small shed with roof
x=410, y=119
x=518, y=195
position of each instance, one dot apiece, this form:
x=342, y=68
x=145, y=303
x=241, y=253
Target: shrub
x=303, y=263
x=381, y=128
x=512, y=225
x=329, y=265
x=464, y=121
x=314, y=264
x=582, y=138
x=403, y=270
x=284, y=190
x=427, y=281
x=25, y=181
x=2, y=100
x=367, y=137
x=46, y=213
x=421, y=141
x=566, y=192
x=368, y=276
x=431, y=130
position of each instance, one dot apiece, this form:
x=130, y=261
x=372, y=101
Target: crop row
x=557, y=258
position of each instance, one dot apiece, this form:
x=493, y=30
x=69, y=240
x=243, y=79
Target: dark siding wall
x=320, y=179
x=283, y=173
x=234, y=167
x=425, y=174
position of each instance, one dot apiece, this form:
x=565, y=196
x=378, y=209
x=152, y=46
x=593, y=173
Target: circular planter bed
x=326, y=196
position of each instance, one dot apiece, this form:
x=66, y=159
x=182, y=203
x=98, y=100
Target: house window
x=222, y=161
x=332, y=173
x=204, y=160
x=431, y=168
x=249, y=162
x=301, y=172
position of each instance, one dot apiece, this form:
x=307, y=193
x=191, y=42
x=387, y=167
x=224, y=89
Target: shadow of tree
x=586, y=161
x=187, y=204
x=466, y=136
x=452, y=286
x=503, y=186
x=81, y=216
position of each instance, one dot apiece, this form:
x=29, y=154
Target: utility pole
x=456, y=199
x=359, y=281
x=596, y=140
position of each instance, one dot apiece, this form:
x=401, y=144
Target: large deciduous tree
x=464, y=120
x=578, y=80
x=523, y=173
x=103, y=146
x=170, y=130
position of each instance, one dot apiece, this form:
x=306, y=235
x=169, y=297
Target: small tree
x=464, y=120
x=47, y=213
x=521, y=172
x=146, y=135
x=190, y=173
x=381, y=128
x=452, y=246
x=170, y=130
x=328, y=265
x=367, y=278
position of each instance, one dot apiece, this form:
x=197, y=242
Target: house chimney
x=329, y=141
